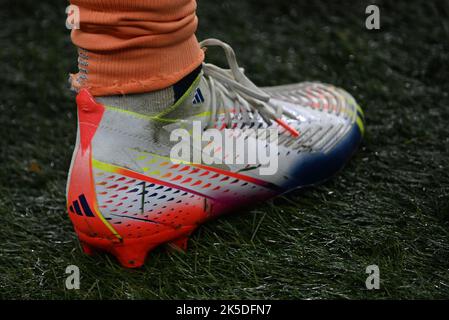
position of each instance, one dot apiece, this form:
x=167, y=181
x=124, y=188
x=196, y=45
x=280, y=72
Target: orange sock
x=135, y=46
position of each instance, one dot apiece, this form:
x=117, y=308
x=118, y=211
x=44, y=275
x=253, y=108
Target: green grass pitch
x=390, y=206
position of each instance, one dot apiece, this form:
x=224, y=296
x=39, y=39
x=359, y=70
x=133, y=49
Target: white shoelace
x=247, y=97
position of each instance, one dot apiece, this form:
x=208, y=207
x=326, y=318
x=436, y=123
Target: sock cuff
x=135, y=46
x=154, y=102
x=136, y=70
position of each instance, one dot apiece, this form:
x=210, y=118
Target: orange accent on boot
x=128, y=242
x=81, y=198
x=132, y=252
x=287, y=127
x=89, y=116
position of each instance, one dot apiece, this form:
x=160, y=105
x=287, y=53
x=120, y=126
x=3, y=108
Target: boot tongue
x=195, y=106
x=195, y=101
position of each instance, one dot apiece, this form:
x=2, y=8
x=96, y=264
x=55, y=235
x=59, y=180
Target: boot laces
x=249, y=100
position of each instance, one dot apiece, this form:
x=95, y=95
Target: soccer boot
x=138, y=180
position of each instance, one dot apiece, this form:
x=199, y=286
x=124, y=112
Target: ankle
x=154, y=102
